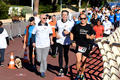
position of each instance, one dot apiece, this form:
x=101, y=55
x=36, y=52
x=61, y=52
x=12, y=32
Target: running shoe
x=61, y=73
x=77, y=77
x=42, y=74
x=66, y=70
x=82, y=77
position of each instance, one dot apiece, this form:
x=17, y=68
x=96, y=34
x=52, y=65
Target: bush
x=26, y=10
x=58, y=7
x=3, y=10
x=45, y=8
x=48, y=8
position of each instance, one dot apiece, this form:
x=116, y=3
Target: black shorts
x=84, y=50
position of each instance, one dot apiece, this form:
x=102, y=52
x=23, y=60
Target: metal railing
x=15, y=29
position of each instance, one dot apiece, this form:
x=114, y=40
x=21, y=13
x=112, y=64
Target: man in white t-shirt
x=37, y=19
x=107, y=27
x=4, y=41
x=42, y=37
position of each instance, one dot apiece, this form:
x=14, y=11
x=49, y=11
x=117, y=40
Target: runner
x=81, y=36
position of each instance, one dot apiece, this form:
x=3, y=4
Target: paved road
x=93, y=71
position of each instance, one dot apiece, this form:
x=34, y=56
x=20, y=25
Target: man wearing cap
x=28, y=38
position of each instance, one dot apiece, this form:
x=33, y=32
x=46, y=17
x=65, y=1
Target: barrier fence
x=16, y=28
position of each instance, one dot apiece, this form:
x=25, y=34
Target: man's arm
x=33, y=40
x=24, y=42
x=51, y=39
x=72, y=40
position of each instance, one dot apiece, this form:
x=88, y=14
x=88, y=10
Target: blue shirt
x=30, y=33
x=77, y=22
x=117, y=17
x=89, y=18
x=111, y=18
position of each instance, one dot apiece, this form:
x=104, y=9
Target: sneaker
x=82, y=77
x=2, y=65
x=61, y=73
x=66, y=70
x=77, y=77
x=42, y=74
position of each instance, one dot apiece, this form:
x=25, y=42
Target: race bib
x=82, y=49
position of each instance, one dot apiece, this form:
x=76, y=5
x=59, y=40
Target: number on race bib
x=82, y=49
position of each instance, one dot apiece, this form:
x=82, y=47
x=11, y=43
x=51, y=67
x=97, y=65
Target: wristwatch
x=72, y=41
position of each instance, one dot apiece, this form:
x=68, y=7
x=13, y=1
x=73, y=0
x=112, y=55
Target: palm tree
x=36, y=5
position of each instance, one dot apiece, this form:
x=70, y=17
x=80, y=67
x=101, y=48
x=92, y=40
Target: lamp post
x=32, y=3
x=79, y=5
x=60, y=5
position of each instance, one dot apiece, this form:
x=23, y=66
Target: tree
x=36, y=5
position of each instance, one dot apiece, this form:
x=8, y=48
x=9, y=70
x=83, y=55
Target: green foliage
x=3, y=10
x=48, y=8
x=83, y=4
x=14, y=12
x=26, y=10
x=58, y=7
x=45, y=8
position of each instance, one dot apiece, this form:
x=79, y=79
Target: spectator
x=4, y=41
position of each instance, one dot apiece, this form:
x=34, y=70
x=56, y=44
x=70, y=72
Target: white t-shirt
x=37, y=20
x=42, y=36
x=3, y=42
x=107, y=25
x=61, y=27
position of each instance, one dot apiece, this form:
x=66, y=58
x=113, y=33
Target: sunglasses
x=44, y=18
x=82, y=18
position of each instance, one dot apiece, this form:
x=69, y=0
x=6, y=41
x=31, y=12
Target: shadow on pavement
x=94, y=67
x=53, y=69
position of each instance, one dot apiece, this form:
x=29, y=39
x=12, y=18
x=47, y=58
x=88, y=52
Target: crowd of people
x=46, y=33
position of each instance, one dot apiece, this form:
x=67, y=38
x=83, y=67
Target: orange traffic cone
x=11, y=63
x=25, y=56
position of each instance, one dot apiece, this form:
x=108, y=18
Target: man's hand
x=87, y=36
x=34, y=45
x=74, y=44
x=90, y=36
x=51, y=42
x=66, y=32
x=24, y=46
x=57, y=36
